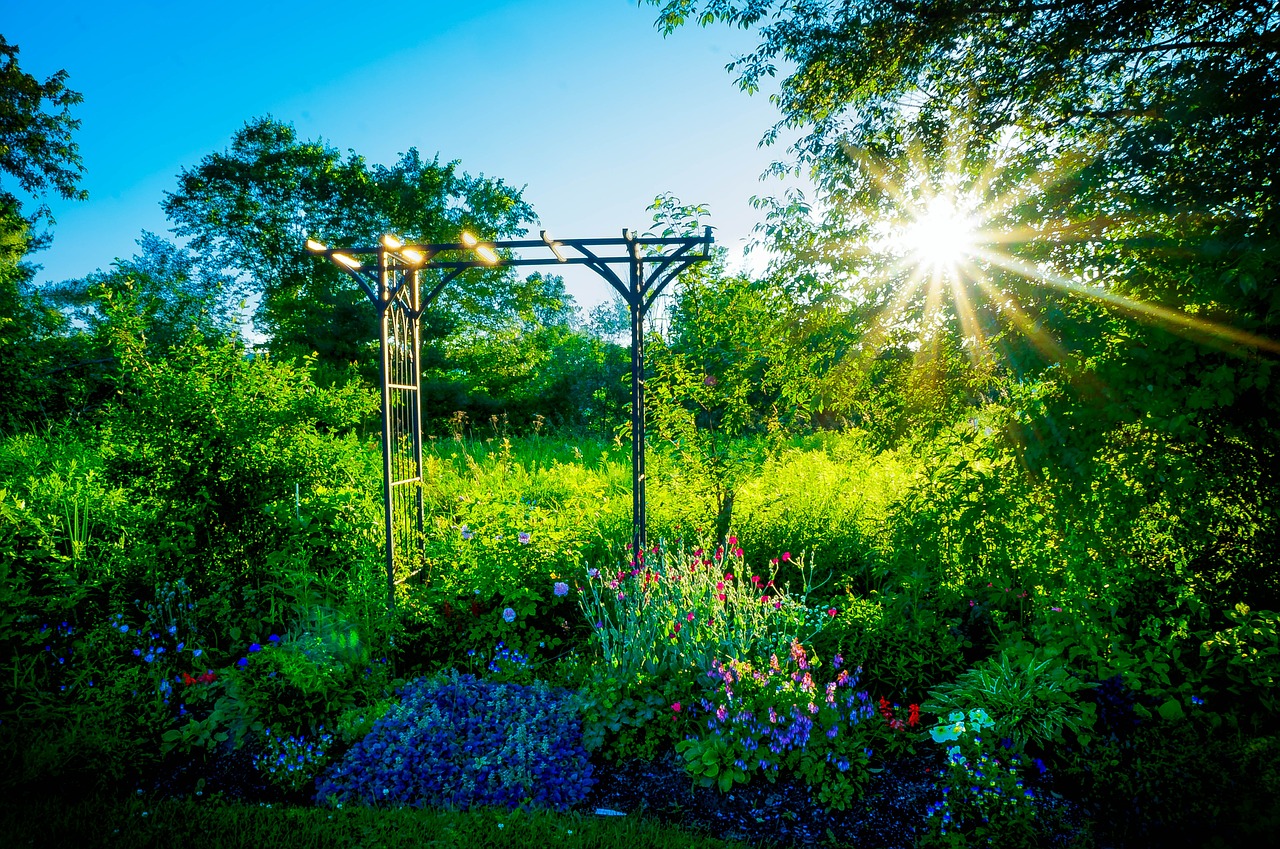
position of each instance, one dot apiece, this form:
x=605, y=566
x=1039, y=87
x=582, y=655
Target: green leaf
x=1171, y=710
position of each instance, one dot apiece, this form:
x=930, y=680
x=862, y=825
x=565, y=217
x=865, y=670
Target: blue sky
x=583, y=102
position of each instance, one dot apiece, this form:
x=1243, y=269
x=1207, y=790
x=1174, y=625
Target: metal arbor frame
x=392, y=286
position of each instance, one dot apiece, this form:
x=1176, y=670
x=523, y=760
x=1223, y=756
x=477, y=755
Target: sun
x=939, y=237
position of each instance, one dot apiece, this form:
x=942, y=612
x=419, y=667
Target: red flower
x=913, y=718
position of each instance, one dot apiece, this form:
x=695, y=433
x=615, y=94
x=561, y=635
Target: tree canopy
x=36, y=145
x=248, y=211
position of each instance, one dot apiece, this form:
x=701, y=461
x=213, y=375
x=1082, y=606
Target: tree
x=36, y=127
x=174, y=296
x=251, y=208
x=1122, y=296
x=36, y=151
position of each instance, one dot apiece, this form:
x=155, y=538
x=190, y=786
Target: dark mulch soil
x=784, y=813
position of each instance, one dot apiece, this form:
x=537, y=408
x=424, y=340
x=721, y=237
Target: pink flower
x=733, y=540
x=689, y=618
x=719, y=585
x=831, y=611
x=720, y=596
x=737, y=552
x=786, y=555
x=675, y=707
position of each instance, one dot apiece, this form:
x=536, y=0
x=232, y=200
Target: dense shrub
x=459, y=741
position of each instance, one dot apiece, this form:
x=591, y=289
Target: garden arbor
x=390, y=276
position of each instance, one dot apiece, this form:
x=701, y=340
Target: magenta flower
x=733, y=540
x=786, y=555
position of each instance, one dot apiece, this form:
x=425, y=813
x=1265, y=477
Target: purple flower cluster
x=459, y=741
x=780, y=717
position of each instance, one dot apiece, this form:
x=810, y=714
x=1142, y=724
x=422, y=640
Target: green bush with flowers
x=986, y=799
x=783, y=717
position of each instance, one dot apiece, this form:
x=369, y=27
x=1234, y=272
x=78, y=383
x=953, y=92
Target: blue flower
x=242, y=662
x=274, y=638
x=253, y=647
x=509, y=615
x=124, y=629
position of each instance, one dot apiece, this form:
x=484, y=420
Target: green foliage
x=218, y=437
x=716, y=377
x=903, y=646
x=1031, y=694
x=1247, y=655
x=625, y=718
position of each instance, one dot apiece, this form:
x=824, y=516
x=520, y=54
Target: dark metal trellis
x=392, y=285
